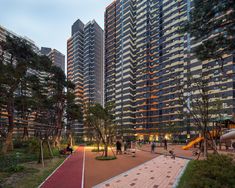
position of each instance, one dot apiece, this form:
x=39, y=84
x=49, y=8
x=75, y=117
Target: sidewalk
x=69, y=174
x=160, y=172
x=179, y=152
x=100, y=171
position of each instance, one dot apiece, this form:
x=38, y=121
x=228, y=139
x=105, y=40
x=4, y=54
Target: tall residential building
x=125, y=83
x=85, y=62
x=75, y=65
x=93, y=63
x=110, y=52
x=151, y=58
x=55, y=56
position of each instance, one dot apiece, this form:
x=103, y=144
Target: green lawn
x=218, y=171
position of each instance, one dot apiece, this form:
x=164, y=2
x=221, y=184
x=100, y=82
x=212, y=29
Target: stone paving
x=99, y=171
x=160, y=172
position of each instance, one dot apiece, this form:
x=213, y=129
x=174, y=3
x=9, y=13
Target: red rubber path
x=69, y=174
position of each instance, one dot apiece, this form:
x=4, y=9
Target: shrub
x=106, y=158
x=218, y=171
x=20, y=144
x=15, y=168
x=34, y=145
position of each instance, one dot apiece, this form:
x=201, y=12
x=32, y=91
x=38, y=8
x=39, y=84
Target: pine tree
x=16, y=58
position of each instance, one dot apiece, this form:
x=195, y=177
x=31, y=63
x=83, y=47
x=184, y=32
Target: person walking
x=153, y=145
x=118, y=147
x=165, y=144
x=125, y=147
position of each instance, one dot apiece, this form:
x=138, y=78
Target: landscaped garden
x=20, y=168
x=217, y=171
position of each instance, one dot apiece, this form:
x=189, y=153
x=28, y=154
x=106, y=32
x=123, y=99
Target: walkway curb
x=83, y=168
x=179, y=176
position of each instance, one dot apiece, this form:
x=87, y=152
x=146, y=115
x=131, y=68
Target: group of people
x=125, y=145
x=119, y=146
x=154, y=145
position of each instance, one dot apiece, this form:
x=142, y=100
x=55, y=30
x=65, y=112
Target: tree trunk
x=213, y=142
x=8, y=146
x=25, y=134
x=205, y=147
x=98, y=146
x=70, y=139
x=56, y=141
x=105, y=150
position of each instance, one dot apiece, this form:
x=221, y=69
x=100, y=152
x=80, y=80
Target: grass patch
x=106, y=158
x=16, y=168
x=218, y=171
x=23, y=155
x=20, y=169
x=33, y=174
x=3, y=176
x=37, y=178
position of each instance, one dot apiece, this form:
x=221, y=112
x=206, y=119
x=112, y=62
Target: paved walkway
x=69, y=174
x=178, y=151
x=99, y=171
x=160, y=172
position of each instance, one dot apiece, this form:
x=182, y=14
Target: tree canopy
x=31, y=87
x=212, y=24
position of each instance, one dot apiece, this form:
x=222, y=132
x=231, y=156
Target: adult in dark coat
x=118, y=147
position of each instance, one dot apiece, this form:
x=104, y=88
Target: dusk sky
x=48, y=22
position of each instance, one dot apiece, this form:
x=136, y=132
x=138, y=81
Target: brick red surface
x=69, y=175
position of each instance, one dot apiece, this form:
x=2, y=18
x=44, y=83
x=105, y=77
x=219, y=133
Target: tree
x=73, y=110
x=50, y=96
x=195, y=97
x=172, y=128
x=57, y=84
x=91, y=134
x=212, y=22
x=15, y=59
x=101, y=121
x=41, y=92
x=211, y=27
x=25, y=101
